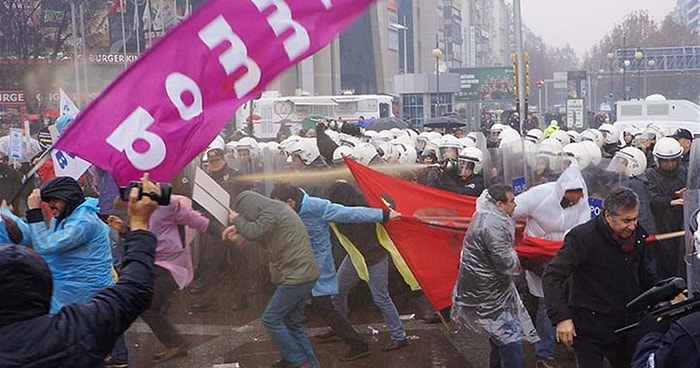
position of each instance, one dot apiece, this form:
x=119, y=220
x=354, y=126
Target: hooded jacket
x=76, y=247
x=280, y=231
x=485, y=298
x=80, y=335
x=5, y=236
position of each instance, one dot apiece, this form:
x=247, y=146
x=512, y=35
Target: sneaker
x=395, y=344
x=113, y=363
x=356, y=352
x=326, y=335
x=546, y=363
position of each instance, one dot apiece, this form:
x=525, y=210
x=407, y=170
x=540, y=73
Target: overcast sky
x=583, y=23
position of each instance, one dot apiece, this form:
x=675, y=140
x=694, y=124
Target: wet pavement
x=227, y=339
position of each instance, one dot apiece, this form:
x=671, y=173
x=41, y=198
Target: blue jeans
x=283, y=318
x=119, y=351
x=379, y=287
x=506, y=356
x=544, y=348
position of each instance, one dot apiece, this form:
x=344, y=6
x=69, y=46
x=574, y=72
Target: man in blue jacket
x=79, y=335
x=316, y=214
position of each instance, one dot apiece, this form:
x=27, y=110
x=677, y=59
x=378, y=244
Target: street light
x=437, y=54
x=638, y=56
x=651, y=64
x=626, y=64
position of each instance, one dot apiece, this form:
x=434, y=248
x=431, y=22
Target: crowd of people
x=84, y=238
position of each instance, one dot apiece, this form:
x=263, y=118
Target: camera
x=163, y=198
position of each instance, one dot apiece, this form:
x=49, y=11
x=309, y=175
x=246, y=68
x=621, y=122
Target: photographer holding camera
x=79, y=334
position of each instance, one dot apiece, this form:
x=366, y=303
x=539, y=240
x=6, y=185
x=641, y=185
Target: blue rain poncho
x=23, y=227
x=77, y=251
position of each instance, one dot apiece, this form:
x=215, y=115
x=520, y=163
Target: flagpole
x=121, y=11
x=137, y=25
x=84, y=49
x=75, y=50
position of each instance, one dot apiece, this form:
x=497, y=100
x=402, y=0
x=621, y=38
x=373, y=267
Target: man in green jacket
x=293, y=269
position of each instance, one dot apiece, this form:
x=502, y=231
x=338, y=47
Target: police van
x=271, y=111
x=669, y=115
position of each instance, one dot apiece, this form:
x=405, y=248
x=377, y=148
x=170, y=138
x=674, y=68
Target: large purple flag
x=171, y=103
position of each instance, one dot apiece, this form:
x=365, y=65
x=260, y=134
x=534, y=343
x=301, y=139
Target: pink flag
x=166, y=108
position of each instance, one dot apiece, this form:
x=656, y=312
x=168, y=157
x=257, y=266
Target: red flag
x=432, y=228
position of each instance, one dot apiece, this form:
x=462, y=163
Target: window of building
x=412, y=105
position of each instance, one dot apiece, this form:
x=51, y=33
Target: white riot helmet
x=250, y=144
x=231, y=146
x=396, y=132
x=412, y=135
x=507, y=136
x=217, y=143
x=449, y=143
x=497, y=128
x=335, y=136
x=341, y=152
x=387, y=152
x=364, y=153
x=407, y=154
x=306, y=149
x=474, y=136
x=369, y=135
x=549, y=151
x=611, y=133
x=421, y=140
x=287, y=143
x=667, y=149
x=630, y=160
x=431, y=150
x=657, y=130
x=561, y=136
x=594, y=152
x=594, y=136
x=434, y=136
x=348, y=140
x=466, y=142
x=385, y=136
x=574, y=137
x=472, y=155
x=576, y=152
x=534, y=135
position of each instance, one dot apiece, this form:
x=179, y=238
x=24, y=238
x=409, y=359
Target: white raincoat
x=546, y=218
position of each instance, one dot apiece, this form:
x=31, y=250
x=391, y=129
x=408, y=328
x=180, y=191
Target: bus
x=271, y=111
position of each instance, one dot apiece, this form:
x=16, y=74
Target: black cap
x=215, y=154
x=683, y=133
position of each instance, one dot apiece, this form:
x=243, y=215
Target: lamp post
x=638, y=55
x=625, y=65
x=437, y=53
x=611, y=58
x=402, y=28
x=650, y=64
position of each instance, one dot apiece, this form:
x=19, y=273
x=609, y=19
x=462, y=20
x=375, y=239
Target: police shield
x=691, y=208
x=517, y=156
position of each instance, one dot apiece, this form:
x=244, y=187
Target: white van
x=667, y=114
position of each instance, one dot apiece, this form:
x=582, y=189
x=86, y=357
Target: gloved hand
x=651, y=323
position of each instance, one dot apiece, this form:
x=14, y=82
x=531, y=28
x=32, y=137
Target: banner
x=430, y=233
x=167, y=106
x=64, y=163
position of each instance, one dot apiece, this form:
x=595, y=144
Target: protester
x=599, y=269
x=79, y=335
x=292, y=266
x=316, y=214
x=485, y=299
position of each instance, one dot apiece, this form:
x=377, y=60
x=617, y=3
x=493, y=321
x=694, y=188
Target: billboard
x=485, y=84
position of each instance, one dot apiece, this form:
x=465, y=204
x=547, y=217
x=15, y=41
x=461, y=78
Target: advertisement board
x=485, y=84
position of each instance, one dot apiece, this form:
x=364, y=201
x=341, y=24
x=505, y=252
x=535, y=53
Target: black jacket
x=662, y=186
x=598, y=275
x=677, y=348
x=80, y=335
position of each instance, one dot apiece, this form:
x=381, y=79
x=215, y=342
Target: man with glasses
x=598, y=270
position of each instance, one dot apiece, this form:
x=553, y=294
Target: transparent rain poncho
x=485, y=299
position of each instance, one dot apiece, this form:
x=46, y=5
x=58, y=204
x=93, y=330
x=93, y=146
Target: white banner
x=16, y=143
x=209, y=194
x=64, y=163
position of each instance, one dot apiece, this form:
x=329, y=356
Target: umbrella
x=386, y=123
x=30, y=149
x=310, y=121
x=444, y=122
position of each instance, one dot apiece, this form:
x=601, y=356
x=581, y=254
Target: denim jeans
x=283, y=318
x=544, y=348
x=119, y=351
x=379, y=287
x=506, y=356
